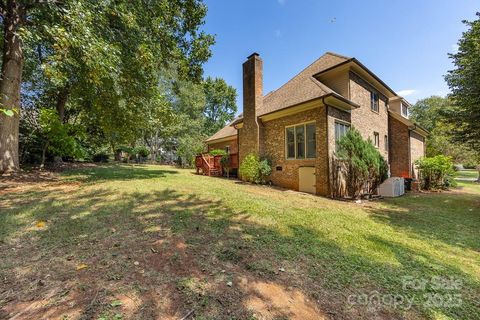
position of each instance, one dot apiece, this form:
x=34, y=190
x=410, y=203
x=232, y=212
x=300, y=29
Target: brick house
x=297, y=125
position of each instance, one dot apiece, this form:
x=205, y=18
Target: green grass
x=470, y=174
x=107, y=217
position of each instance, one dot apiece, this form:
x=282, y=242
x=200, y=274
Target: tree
x=432, y=113
x=220, y=106
x=101, y=57
x=364, y=165
x=464, y=82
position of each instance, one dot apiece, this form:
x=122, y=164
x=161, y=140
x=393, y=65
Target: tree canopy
x=125, y=72
x=464, y=82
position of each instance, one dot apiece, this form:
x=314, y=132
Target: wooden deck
x=209, y=165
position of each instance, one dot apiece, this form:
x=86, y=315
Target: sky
x=406, y=43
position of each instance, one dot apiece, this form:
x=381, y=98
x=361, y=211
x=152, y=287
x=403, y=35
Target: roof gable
x=303, y=87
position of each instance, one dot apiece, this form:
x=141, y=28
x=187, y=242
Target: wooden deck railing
x=211, y=165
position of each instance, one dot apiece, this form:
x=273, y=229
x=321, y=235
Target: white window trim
x=345, y=123
x=402, y=106
x=295, y=140
x=376, y=134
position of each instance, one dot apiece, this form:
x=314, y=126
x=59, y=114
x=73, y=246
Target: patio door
x=306, y=179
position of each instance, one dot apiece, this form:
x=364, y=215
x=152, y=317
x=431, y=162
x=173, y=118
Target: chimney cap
x=253, y=55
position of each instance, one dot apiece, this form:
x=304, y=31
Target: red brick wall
x=417, y=151
x=399, y=148
x=222, y=145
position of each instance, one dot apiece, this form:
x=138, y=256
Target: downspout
x=410, y=164
x=328, y=148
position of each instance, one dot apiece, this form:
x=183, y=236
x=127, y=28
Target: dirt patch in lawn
x=272, y=300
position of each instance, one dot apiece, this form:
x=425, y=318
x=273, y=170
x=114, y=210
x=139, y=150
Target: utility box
x=392, y=187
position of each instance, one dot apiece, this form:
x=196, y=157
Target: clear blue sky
x=404, y=42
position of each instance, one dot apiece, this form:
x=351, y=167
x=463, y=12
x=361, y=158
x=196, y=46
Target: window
x=404, y=108
x=386, y=143
x=290, y=136
x=340, y=130
x=376, y=139
x=311, y=140
x=300, y=141
x=374, y=101
x=227, y=149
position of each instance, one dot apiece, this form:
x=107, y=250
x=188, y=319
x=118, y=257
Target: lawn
x=156, y=242
x=467, y=174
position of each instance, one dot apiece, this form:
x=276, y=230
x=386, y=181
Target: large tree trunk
x=10, y=82
x=62, y=102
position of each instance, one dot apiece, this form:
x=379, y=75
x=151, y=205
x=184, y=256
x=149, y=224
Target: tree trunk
x=62, y=101
x=44, y=154
x=10, y=82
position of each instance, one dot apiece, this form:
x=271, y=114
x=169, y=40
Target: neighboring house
x=297, y=125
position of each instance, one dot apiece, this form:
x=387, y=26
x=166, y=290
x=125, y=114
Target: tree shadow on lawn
x=116, y=172
x=452, y=218
x=162, y=254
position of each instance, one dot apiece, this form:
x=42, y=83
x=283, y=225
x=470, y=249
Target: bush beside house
x=358, y=167
x=436, y=172
x=255, y=170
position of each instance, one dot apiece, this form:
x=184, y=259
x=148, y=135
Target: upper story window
x=300, y=141
x=386, y=143
x=374, y=101
x=340, y=130
x=376, y=139
x=404, y=108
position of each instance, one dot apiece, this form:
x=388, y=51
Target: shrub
x=436, y=172
x=141, y=151
x=470, y=165
x=217, y=152
x=225, y=162
x=252, y=169
x=364, y=165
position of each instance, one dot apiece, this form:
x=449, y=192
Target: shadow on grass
x=112, y=172
x=164, y=253
x=452, y=218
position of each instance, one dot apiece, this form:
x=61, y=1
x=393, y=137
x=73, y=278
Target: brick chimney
x=249, y=135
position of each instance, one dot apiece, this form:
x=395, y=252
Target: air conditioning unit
x=392, y=187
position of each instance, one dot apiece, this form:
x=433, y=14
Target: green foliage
x=366, y=168
x=217, y=152
x=58, y=136
x=433, y=114
x=225, y=161
x=220, y=106
x=256, y=170
x=464, y=82
x=104, y=65
x=188, y=148
x=141, y=151
x=8, y=112
x=436, y=172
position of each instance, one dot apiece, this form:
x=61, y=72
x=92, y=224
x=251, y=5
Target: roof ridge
x=338, y=55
